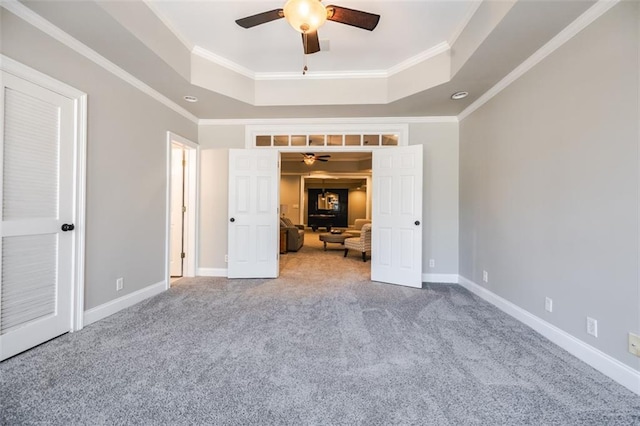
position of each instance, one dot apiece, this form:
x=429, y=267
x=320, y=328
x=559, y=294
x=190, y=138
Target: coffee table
x=328, y=237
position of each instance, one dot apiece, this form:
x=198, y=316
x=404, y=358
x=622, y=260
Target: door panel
x=177, y=213
x=396, y=239
x=37, y=198
x=253, y=214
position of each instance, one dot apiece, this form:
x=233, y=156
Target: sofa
x=295, y=234
x=357, y=226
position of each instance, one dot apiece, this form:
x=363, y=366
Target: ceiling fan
x=306, y=16
x=309, y=158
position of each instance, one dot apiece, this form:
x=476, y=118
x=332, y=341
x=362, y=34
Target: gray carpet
x=320, y=345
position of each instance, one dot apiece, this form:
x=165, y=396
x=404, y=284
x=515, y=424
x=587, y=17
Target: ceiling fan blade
x=321, y=159
x=355, y=18
x=308, y=154
x=323, y=156
x=260, y=18
x=312, y=44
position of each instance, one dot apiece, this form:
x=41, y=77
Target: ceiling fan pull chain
x=304, y=55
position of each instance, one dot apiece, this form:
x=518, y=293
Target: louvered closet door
x=37, y=198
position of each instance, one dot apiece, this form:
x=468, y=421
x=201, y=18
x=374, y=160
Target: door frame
x=79, y=99
x=191, y=184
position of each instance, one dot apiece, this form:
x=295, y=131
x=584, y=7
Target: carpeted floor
x=320, y=345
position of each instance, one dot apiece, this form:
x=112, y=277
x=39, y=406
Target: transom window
x=338, y=137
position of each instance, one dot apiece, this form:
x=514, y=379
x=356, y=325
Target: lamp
x=309, y=159
x=305, y=16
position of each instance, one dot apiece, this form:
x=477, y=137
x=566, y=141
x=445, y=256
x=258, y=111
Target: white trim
x=593, y=13
x=167, y=23
x=609, y=366
x=440, y=278
x=116, y=305
x=417, y=59
x=212, y=272
x=320, y=75
x=465, y=21
x=335, y=120
x=79, y=98
x=193, y=152
x=48, y=28
x=223, y=62
x=80, y=213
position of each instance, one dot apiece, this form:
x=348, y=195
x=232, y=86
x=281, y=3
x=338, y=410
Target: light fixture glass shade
x=308, y=160
x=305, y=15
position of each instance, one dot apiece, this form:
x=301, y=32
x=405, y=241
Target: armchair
x=295, y=234
x=361, y=243
x=357, y=226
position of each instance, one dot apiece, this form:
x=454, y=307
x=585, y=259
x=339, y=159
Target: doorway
x=43, y=214
x=337, y=191
x=182, y=163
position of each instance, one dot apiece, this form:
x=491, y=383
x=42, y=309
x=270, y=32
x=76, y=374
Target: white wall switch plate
x=119, y=284
x=226, y=258
x=485, y=276
x=634, y=344
x=548, y=304
x=592, y=327
x=432, y=263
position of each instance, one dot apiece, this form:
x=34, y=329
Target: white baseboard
x=611, y=367
x=212, y=272
x=440, y=278
x=110, y=308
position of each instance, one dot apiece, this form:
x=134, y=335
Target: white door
x=177, y=211
x=253, y=213
x=37, y=149
x=396, y=238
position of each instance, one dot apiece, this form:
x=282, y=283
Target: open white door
x=177, y=210
x=253, y=213
x=396, y=238
x=38, y=214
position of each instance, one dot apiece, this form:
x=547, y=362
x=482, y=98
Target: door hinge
x=184, y=209
x=184, y=163
x=183, y=255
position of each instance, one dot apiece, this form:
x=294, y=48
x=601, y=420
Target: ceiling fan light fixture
x=308, y=160
x=305, y=15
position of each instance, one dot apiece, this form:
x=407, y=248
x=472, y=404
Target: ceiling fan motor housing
x=305, y=15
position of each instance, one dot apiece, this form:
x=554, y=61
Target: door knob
x=417, y=222
x=68, y=227
x=232, y=220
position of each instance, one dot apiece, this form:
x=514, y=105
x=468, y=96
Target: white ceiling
x=406, y=29
x=139, y=36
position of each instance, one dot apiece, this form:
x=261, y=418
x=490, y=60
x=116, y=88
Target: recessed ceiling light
x=191, y=99
x=459, y=95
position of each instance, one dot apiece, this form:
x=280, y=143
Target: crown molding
x=338, y=120
x=472, y=11
x=417, y=59
x=584, y=20
x=29, y=16
x=223, y=62
x=167, y=23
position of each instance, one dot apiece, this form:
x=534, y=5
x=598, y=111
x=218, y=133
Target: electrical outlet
x=592, y=327
x=226, y=258
x=432, y=263
x=485, y=276
x=634, y=344
x=119, y=284
x=548, y=304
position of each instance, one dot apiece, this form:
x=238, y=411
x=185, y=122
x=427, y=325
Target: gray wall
x=126, y=164
x=215, y=142
x=440, y=211
x=549, y=186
